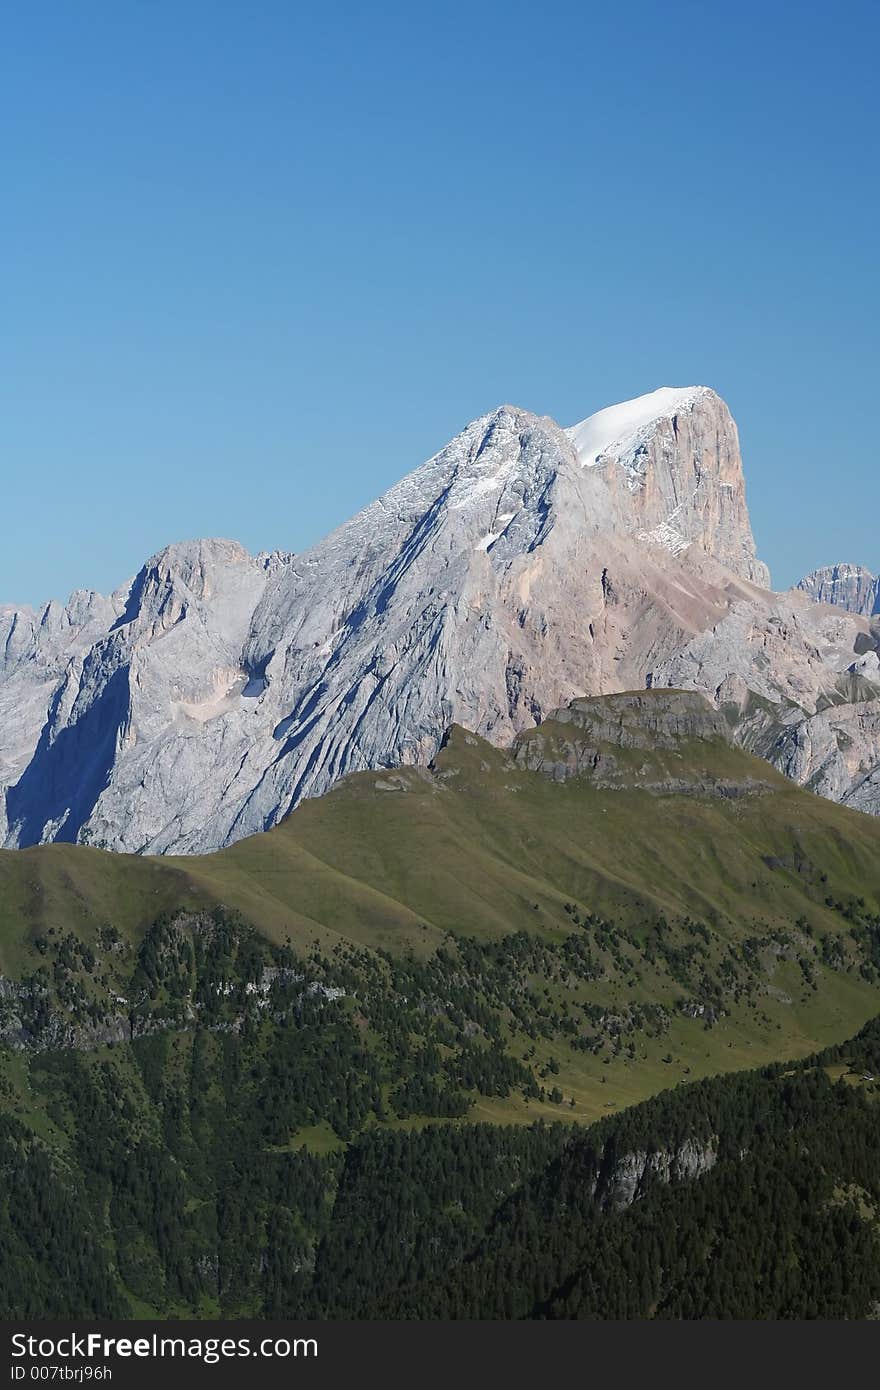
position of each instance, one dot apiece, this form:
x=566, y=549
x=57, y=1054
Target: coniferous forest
x=257, y=1147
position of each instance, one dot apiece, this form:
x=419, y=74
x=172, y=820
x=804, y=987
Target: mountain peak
x=853, y=587
x=186, y=557
x=610, y=430
x=495, y=582
x=671, y=460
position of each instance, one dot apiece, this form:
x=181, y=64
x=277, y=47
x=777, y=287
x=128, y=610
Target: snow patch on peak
x=613, y=430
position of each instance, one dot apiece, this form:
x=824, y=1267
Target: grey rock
x=848, y=586
x=583, y=740
x=520, y=568
x=834, y=752
x=633, y=1173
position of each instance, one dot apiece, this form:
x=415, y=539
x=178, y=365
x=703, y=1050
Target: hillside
x=162, y=1188
x=203, y=1059
x=625, y=871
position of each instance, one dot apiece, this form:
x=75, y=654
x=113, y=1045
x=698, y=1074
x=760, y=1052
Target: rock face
x=848, y=586
x=657, y=741
x=629, y=1176
x=677, y=454
x=89, y=689
x=615, y=1179
x=521, y=567
x=781, y=647
x=40, y=654
x=834, y=752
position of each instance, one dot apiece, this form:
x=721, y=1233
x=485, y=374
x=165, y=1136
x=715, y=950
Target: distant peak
x=183, y=554
x=853, y=587
x=843, y=571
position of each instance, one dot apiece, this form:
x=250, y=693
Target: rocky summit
x=849, y=586
x=522, y=567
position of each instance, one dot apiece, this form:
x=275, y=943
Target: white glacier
x=614, y=430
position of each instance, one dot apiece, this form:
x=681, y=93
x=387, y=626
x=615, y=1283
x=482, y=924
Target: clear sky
x=258, y=260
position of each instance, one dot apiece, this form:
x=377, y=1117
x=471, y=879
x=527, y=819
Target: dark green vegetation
x=783, y=1223
x=250, y=1083
x=163, y=1185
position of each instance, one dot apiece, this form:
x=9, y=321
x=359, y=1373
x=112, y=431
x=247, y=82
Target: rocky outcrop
x=520, y=568
x=629, y=1176
x=834, y=752
x=614, y=1177
x=847, y=586
x=625, y=741
x=650, y=721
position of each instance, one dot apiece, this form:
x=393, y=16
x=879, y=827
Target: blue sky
x=259, y=260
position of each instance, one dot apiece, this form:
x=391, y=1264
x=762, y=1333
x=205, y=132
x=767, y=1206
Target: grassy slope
x=80, y=889
x=476, y=848
x=473, y=850
x=482, y=848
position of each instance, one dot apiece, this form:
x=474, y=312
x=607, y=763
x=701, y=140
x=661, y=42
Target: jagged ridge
x=520, y=567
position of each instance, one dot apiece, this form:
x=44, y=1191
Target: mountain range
x=522, y=567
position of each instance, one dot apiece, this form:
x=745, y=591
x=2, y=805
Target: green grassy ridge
x=478, y=848
x=74, y=887
x=473, y=846
x=477, y=845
